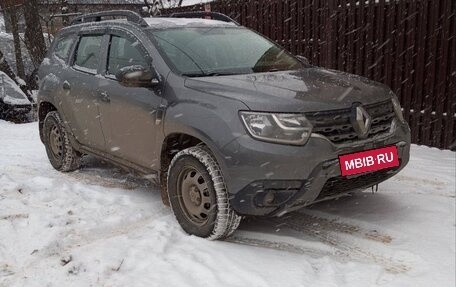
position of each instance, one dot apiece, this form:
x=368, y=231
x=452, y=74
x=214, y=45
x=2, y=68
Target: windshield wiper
x=210, y=74
x=193, y=75
x=185, y=53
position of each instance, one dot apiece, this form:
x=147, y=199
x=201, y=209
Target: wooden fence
x=410, y=45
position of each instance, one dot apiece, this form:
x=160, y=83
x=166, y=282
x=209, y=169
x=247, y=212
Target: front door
x=128, y=113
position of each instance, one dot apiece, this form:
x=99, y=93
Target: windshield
x=215, y=51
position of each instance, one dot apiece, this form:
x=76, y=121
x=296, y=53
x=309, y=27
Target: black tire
x=61, y=154
x=198, y=195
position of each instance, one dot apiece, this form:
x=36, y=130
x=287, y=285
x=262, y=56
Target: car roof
x=185, y=19
x=167, y=22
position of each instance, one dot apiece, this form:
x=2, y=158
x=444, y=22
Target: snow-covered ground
x=103, y=227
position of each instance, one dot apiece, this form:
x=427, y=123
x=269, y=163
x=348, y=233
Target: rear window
x=88, y=53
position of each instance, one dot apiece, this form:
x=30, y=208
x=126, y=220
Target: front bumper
x=8, y=111
x=273, y=179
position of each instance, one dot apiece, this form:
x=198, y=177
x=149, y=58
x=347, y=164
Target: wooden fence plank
x=389, y=44
x=428, y=101
x=300, y=27
x=331, y=34
x=307, y=29
x=351, y=36
x=440, y=100
x=400, y=55
x=370, y=59
x=407, y=82
x=315, y=36
x=380, y=40
x=360, y=38
x=450, y=89
x=342, y=31
x=420, y=71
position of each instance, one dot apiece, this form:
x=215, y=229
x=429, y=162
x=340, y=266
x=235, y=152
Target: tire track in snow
x=264, y=240
x=346, y=248
x=109, y=179
x=310, y=228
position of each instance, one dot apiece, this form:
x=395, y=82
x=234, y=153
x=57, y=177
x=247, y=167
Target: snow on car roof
x=158, y=22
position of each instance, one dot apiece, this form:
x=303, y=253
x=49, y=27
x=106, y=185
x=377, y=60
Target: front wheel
x=198, y=195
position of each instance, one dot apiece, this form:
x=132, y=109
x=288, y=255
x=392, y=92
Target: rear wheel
x=198, y=195
x=61, y=154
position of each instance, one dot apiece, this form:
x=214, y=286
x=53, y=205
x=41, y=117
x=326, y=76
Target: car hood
x=307, y=90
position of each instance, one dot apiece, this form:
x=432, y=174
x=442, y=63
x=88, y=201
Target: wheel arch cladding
x=214, y=127
x=43, y=109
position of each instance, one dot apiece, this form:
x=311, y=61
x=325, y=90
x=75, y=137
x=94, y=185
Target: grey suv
x=226, y=121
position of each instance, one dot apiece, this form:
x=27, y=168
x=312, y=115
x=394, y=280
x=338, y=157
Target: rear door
x=81, y=96
x=128, y=116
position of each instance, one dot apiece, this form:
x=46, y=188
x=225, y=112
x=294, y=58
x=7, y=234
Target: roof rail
x=96, y=17
x=203, y=14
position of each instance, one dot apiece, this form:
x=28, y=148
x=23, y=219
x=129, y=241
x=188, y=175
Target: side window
x=123, y=53
x=62, y=49
x=88, y=53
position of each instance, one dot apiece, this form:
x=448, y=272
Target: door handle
x=160, y=114
x=66, y=86
x=104, y=97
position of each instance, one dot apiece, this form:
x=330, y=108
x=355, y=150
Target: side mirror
x=303, y=60
x=137, y=76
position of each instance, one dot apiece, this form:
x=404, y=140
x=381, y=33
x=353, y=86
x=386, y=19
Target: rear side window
x=88, y=53
x=62, y=49
x=123, y=53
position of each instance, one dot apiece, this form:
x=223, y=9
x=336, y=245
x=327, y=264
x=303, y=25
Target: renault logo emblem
x=361, y=121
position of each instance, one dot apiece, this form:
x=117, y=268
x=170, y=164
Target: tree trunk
x=6, y=68
x=17, y=42
x=34, y=39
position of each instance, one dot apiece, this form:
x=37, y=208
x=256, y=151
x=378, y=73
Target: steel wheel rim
x=56, y=142
x=194, y=196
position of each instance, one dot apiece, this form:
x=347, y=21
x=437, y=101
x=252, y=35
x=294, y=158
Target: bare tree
x=12, y=12
x=173, y=3
x=154, y=7
x=34, y=39
x=5, y=67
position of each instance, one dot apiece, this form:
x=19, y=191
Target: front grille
x=340, y=184
x=337, y=127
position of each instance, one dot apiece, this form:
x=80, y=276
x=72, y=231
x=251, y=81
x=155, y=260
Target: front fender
x=215, y=121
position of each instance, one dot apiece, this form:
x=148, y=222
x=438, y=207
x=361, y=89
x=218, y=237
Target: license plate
x=367, y=161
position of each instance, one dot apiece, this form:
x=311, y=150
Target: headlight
x=397, y=108
x=292, y=129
